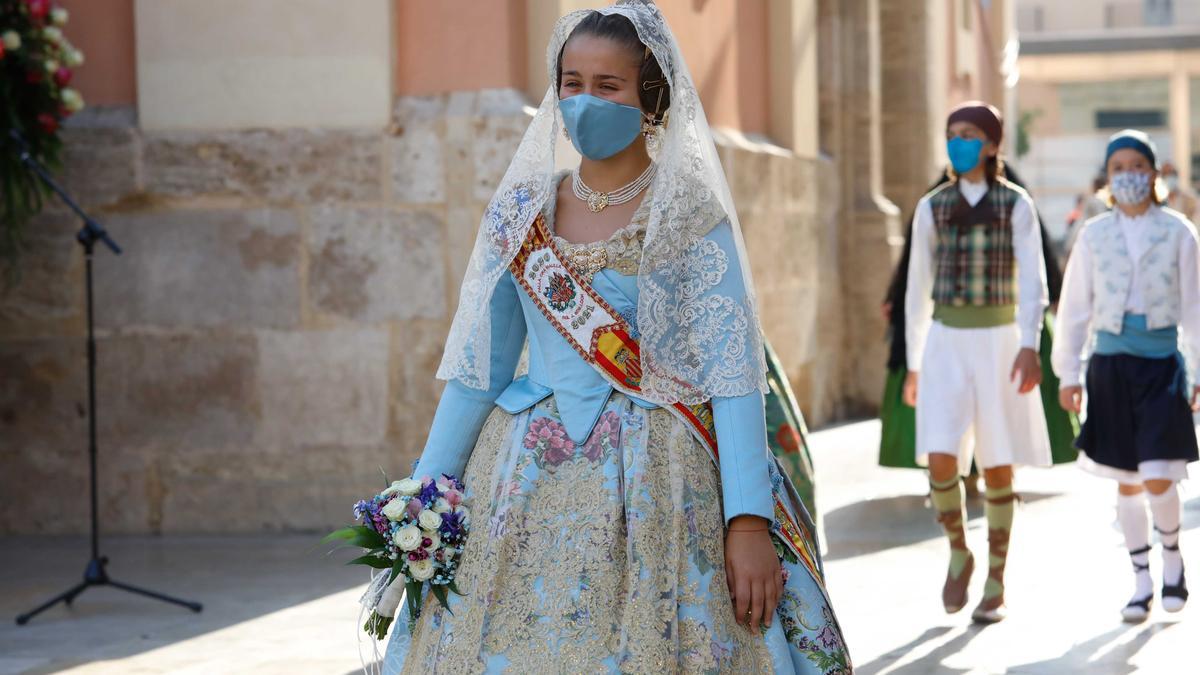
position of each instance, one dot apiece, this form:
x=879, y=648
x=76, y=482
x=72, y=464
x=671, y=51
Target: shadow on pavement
x=1115, y=662
x=931, y=663
x=875, y=525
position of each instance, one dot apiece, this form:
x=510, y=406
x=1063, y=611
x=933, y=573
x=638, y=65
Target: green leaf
x=454, y=588
x=396, y=569
x=412, y=598
x=372, y=561
x=439, y=592
x=344, y=534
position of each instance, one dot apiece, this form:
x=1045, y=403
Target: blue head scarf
x=1134, y=140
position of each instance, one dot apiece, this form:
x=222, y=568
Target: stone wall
x=268, y=340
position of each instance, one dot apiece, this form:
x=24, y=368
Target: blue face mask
x=599, y=129
x=964, y=153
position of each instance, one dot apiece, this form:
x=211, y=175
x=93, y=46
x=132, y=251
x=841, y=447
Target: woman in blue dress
x=607, y=532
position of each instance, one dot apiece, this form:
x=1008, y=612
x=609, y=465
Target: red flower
x=62, y=76
x=1, y=50
x=607, y=430
x=38, y=9
x=48, y=123
x=788, y=439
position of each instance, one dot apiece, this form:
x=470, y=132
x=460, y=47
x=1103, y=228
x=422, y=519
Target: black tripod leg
x=67, y=596
x=194, y=606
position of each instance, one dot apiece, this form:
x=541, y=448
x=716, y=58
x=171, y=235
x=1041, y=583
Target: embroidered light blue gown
x=597, y=539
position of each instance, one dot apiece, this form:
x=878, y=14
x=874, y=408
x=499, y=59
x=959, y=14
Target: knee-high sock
x=1166, y=509
x=1135, y=524
x=947, y=498
x=999, y=509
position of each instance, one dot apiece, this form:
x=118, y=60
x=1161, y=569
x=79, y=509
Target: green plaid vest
x=975, y=262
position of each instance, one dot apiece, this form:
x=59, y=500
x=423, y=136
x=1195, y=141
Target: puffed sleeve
x=462, y=410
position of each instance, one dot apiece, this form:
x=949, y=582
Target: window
x=1130, y=119
x=1159, y=12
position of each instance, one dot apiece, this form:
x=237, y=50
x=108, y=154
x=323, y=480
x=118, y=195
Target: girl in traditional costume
x=1132, y=294
x=627, y=515
x=973, y=316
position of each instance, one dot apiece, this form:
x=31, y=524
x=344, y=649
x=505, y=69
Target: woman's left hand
x=753, y=571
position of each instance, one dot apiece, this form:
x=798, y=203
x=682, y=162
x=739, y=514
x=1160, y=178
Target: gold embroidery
x=580, y=566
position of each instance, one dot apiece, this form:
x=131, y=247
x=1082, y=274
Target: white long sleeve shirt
x=1032, y=293
x=1072, y=331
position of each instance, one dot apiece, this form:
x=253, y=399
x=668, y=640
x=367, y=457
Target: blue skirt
x=1136, y=412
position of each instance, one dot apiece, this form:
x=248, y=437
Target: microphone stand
x=92, y=232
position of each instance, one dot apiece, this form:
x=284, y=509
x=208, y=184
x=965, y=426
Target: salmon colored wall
x=726, y=44
x=456, y=46
x=103, y=31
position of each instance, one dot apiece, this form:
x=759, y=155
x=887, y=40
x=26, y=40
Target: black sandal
x=1142, y=604
x=1178, y=590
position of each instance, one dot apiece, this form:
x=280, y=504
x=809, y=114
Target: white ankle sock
x=1167, y=511
x=1135, y=524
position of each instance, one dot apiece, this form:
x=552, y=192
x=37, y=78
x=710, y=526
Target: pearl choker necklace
x=597, y=201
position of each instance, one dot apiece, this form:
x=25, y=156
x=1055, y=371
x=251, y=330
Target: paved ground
x=275, y=604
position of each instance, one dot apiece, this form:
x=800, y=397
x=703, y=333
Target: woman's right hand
x=1071, y=398
x=910, y=389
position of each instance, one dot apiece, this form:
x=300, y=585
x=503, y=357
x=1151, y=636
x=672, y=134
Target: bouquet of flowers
x=36, y=66
x=414, y=531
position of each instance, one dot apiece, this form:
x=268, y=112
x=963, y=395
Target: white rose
x=394, y=510
x=441, y=506
x=409, y=486
x=391, y=489
x=408, y=538
x=52, y=34
x=421, y=570
x=72, y=99
x=74, y=58
x=12, y=40
x=429, y=520
x=59, y=16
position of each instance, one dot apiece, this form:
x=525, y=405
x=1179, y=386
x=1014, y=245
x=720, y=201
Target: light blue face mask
x=599, y=129
x=964, y=153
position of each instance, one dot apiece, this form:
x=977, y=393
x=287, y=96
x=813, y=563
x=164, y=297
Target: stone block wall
x=268, y=341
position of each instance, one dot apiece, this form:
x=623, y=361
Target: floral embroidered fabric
x=604, y=557
x=621, y=252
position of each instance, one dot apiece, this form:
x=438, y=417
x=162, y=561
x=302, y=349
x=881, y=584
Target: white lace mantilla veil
x=695, y=343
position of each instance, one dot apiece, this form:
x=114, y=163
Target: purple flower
x=607, y=432
x=550, y=439
x=452, y=526
x=414, y=507
x=827, y=637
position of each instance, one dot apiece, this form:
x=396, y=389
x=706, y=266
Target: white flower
x=51, y=65
x=12, y=40
x=394, y=510
x=391, y=489
x=52, y=34
x=441, y=506
x=421, y=570
x=72, y=99
x=429, y=520
x=408, y=538
x=409, y=486
x=59, y=16
x=74, y=58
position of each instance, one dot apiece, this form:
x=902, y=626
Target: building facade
x=298, y=183
x=1089, y=69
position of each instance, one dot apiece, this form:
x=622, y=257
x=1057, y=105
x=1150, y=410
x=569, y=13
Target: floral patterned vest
x=1158, y=270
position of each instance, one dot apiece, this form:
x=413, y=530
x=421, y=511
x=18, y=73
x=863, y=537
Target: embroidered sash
x=602, y=337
